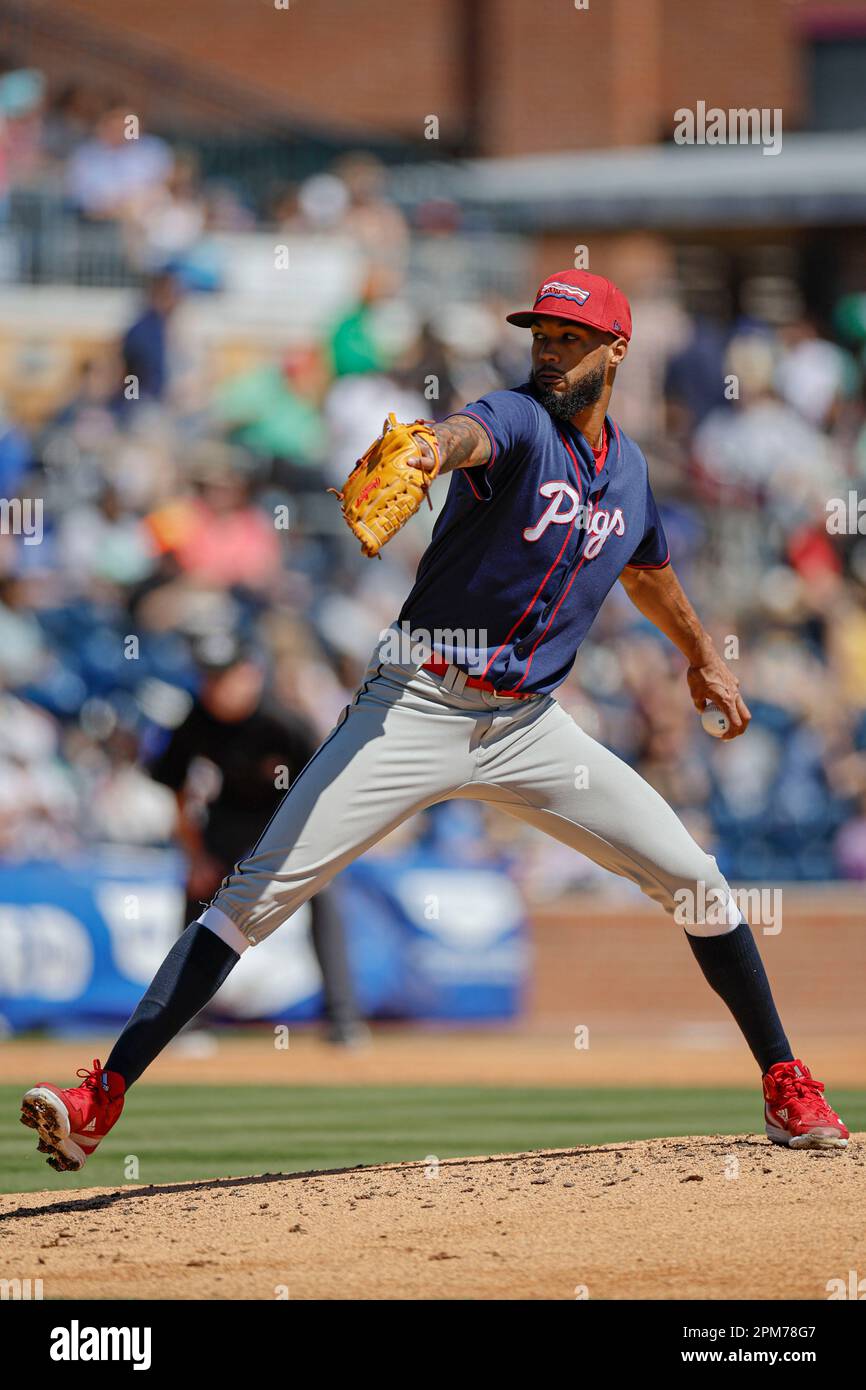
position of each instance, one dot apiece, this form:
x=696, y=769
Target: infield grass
x=186, y=1132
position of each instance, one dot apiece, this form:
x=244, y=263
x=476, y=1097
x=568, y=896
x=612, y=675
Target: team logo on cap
x=558, y=289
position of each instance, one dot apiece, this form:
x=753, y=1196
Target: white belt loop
x=454, y=679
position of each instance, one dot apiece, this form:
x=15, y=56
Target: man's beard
x=564, y=405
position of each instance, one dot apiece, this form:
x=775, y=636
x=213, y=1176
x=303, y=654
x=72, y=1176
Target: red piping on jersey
x=540, y=636
x=486, y=429
x=639, y=566
x=570, y=453
x=467, y=473
x=599, y=465
x=549, y=572
x=561, y=598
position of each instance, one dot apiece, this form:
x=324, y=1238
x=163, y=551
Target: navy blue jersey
x=527, y=547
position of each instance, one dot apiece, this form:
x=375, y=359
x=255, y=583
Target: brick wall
x=628, y=968
x=509, y=76
x=368, y=65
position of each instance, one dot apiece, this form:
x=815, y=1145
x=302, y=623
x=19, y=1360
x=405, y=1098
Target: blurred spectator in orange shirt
x=217, y=536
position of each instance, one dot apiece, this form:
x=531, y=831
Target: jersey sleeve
x=652, y=551
x=510, y=421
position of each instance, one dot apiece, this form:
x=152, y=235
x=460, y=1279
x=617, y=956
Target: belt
x=458, y=680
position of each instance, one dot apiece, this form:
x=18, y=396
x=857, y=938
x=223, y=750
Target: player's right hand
x=715, y=682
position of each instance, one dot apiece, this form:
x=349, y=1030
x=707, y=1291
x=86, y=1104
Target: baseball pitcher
x=548, y=505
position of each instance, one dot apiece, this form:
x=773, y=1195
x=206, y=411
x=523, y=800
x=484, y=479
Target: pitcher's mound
x=730, y=1217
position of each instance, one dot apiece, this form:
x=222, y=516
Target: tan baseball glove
x=388, y=485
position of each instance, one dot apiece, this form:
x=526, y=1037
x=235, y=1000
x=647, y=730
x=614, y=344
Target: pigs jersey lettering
x=529, y=545
x=602, y=524
x=598, y=522
x=562, y=510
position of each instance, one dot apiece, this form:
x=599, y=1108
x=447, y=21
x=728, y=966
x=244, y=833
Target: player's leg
x=579, y=792
x=390, y=754
x=394, y=751
x=559, y=779
x=552, y=774
x=565, y=783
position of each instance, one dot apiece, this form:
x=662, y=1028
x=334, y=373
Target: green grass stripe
x=187, y=1132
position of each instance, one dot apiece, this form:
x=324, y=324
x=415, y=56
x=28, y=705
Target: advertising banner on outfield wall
x=80, y=941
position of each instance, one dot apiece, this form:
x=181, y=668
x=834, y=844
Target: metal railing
x=46, y=242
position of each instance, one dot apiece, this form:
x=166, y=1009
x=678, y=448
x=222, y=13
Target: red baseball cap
x=584, y=298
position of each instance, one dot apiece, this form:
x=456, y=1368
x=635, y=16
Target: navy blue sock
x=733, y=968
x=192, y=972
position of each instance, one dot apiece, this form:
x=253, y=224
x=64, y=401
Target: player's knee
x=705, y=905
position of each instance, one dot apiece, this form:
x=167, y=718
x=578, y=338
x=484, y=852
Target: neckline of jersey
x=579, y=439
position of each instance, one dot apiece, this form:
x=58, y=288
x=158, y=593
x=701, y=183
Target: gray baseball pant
x=410, y=739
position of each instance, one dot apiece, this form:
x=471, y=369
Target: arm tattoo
x=462, y=443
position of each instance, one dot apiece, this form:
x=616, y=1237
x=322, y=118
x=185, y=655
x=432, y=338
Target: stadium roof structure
x=815, y=179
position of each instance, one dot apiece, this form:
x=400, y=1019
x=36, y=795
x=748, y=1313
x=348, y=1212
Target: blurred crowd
x=107, y=168
x=176, y=507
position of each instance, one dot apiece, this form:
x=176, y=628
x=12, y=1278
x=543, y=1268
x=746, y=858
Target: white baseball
x=715, y=721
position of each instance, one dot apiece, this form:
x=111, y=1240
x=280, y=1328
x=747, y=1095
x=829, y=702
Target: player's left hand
x=389, y=482
x=716, y=682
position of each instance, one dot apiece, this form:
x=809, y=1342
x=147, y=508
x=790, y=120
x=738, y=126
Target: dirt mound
x=728, y=1216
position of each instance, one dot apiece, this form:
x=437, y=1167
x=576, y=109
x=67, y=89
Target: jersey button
x=545, y=615
x=520, y=651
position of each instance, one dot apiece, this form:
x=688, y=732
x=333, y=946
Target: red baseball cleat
x=796, y=1112
x=71, y=1122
